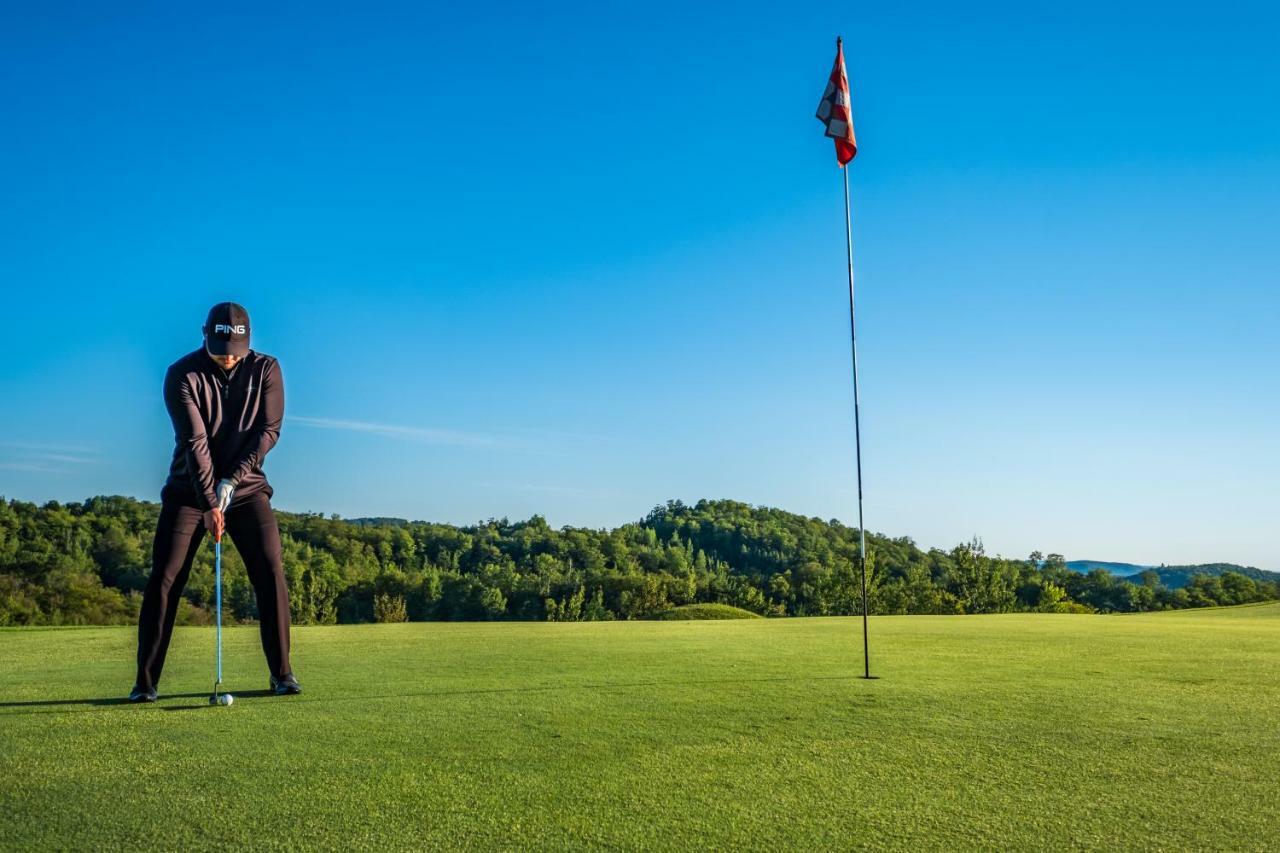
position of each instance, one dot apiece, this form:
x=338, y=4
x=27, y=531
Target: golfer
x=226, y=402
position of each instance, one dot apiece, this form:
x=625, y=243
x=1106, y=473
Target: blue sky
x=578, y=260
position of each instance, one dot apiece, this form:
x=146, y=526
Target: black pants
x=252, y=526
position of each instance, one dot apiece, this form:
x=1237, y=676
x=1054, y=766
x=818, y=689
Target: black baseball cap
x=226, y=331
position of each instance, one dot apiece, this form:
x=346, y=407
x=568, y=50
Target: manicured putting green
x=1019, y=731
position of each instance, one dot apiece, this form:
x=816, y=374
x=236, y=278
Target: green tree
x=389, y=608
x=493, y=604
x=982, y=585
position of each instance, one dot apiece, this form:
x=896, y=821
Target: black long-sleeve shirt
x=224, y=423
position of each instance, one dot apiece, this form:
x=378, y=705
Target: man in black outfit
x=226, y=402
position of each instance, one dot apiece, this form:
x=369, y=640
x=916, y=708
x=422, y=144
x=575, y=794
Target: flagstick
x=857, y=430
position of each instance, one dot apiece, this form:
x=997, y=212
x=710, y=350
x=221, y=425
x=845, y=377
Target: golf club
x=216, y=698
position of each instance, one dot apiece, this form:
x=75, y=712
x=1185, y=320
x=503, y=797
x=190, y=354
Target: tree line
x=87, y=563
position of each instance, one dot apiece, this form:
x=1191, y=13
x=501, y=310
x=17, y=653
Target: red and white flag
x=834, y=110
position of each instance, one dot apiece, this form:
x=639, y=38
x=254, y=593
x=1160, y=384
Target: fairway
x=1025, y=731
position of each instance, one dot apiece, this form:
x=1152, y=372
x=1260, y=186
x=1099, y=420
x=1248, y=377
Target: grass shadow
x=109, y=701
x=112, y=700
x=238, y=694
x=429, y=694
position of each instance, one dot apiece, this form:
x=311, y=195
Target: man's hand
x=225, y=490
x=215, y=523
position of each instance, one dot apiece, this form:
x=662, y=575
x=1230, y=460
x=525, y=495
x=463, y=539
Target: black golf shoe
x=285, y=685
x=143, y=694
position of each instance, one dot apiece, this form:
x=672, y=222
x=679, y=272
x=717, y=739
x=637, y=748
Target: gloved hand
x=225, y=490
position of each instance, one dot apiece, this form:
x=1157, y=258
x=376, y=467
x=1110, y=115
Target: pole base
x=869, y=677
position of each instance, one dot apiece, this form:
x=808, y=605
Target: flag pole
x=857, y=429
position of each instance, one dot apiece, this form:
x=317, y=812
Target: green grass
x=1019, y=731
x=707, y=611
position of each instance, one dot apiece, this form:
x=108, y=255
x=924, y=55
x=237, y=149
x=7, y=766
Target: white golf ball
x=226, y=699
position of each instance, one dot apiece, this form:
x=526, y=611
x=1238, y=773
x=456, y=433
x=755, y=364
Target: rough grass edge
x=706, y=611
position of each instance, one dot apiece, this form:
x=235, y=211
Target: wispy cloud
x=45, y=457
x=66, y=458
x=57, y=448
x=408, y=433
x=26, y=466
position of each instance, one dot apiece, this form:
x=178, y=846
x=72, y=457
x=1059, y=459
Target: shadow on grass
x=121, y=700
x=238, y=694
x=430, y=694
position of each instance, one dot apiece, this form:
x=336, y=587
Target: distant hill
x=1174, y=577
x=1121, y=569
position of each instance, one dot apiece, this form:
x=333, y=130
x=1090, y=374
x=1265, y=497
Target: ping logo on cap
x=220, y=328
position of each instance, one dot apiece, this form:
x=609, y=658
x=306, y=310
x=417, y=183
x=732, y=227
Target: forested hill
x=1174, y=577
x=1123, y=570
x=86, y=563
